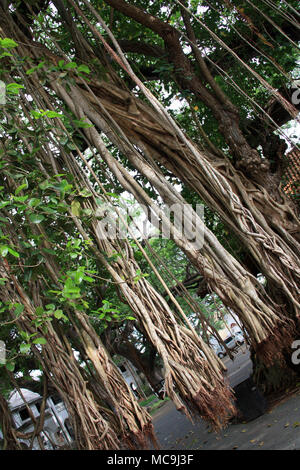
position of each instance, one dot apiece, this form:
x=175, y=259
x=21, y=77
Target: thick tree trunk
x=275, y=378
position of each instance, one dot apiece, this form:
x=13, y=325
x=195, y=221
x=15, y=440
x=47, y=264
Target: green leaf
x=36, y=218
x=41, y=64
x=83, y=68
x=4, y=203
x=65, y=187
x=39, y=311
x=64, y=140
x=88, y=211
x=50, y=307
x=24, y=348
x=20, y=198
x=36, y=114
x=75, y=208
x=3, y=250
x=19, y=188
x=8, y=43
x=85, y=193
x=33, y=202
x=60, y=315
x=45, y=185
x=19, y=309
x=13, y=252
x=53, y=114
x=39, y=341
x=10, y=366
x=13, y=88
x=78, y=277
x=70, y=65
x=5, y=54
x=88, y=279
x=82, y=124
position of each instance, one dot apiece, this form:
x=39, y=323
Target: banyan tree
x=79, y=115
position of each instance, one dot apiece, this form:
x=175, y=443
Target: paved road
x=240, y=368
x=277, y=429
x=173, y=426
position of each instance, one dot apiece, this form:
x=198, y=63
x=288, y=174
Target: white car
x=234, y=341
x=220, y=351
x=230, y=342
x=239, y=338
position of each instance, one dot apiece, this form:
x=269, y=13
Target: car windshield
x=227, y=340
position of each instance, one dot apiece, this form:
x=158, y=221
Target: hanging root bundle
x=135, y=426
x=192, y=379
x=91, y=430
x=224, y=274
x=202, y=396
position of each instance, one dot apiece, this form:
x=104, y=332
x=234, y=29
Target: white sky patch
x=292, y=131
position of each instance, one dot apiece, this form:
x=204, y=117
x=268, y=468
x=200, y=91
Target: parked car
x=239, y=338
x=221, y=351
x=234, y=341
x=230, y=342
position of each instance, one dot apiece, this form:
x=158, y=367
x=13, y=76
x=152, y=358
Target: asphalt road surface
x=172, y=427
x=276, y=429
x=240, y=368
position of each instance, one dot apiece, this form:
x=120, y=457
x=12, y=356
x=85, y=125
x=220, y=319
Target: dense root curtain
x=197, y=380
x=268, y=228
x=130, y=422
x=92, y=431
x=134, y=424
x=269, y=330
x=193, y=379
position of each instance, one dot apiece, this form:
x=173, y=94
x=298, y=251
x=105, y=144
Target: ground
x=277, y=429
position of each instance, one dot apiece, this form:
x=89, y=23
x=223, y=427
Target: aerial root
x=271, y=350
x=143, y=440
x=215, y=406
